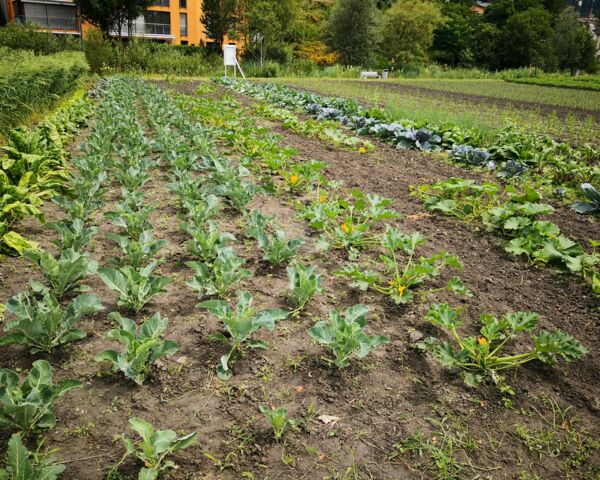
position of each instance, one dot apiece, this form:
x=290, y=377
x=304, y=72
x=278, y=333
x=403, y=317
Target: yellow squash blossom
x=401, y=289
x=294, y=179
x=345, y=228
x=482, y=340
x=321, y=198
x=362, y=150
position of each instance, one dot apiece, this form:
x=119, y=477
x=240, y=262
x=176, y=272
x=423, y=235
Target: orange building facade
x=170, y=21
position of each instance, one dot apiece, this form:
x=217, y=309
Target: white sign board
x=230, y=56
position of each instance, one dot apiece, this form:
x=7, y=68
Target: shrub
x=29, y=82
x=29, y=37
x=99, y=51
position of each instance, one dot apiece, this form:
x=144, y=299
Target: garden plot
x=198, y=170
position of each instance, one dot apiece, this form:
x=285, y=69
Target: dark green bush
x=29, y=83
x=99, y=52
x=29, y=37
x=144, y=56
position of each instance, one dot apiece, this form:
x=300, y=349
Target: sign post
x=230, y=60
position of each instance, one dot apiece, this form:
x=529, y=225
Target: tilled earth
x=352, y=421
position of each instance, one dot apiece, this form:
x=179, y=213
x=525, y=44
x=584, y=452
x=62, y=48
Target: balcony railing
x=147, y=30
x=53, y=23
x=161, y=29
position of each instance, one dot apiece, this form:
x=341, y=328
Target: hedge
x=29, y=83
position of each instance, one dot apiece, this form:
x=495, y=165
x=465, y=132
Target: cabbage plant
x=240, y=324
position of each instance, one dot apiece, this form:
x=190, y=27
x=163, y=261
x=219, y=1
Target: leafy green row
x=33, y=168
x=515, y=216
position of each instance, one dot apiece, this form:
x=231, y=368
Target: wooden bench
x=369, y=75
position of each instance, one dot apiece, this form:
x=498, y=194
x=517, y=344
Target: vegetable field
x=225, y=280
x=564, y=113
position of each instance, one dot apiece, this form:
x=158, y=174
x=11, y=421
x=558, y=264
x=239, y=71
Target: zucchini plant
x=155, y=446
x=142, y=346
x=240, y=324
x=300, y=177
x=343, y=333
x=401, y=279
x=65, y=273
x=135, y=287
x=348, y=223
x=220, y=276
x=484, y=356
x=278, y=418
x=20, y=465
x=30, y=405
x=41, y=323
x=303, y=284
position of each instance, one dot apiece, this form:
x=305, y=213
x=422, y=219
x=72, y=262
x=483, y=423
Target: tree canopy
x=350, y=31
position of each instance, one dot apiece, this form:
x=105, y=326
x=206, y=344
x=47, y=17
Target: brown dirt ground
x=395, y=392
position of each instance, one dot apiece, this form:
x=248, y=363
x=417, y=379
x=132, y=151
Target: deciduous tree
x=573, y=43
x=219, y=18
x=350, y=31
x=406, y=30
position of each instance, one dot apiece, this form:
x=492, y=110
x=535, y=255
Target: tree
x=454, y=42
x=269, y=23
x=219, y=18
x=105, y=14
x=501, y=10
x=112, y=14
x=526, y=40
x=571, y=41
x=406, y=30
x=349, y=31
x=133, y=9
x=487, y=46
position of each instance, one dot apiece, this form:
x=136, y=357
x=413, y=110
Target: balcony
x=147, y=30
x=51, y=23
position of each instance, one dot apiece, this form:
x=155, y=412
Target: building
x=58, y=16
x=169, y=21
x=479, y=7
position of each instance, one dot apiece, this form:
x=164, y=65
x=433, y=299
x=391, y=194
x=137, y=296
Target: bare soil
x=378, y=403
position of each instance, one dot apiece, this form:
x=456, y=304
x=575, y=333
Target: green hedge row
x=29, y=83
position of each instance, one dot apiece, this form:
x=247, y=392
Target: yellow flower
x=362, y=150
x=391, y=283
x=345, y=228
x=401, y=289
x=321, y=198
x=482, y=340
x=294, y=179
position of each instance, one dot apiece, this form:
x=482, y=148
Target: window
x=183, y=26
x=157, y=23
x=161, y=3
x=182, y=3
